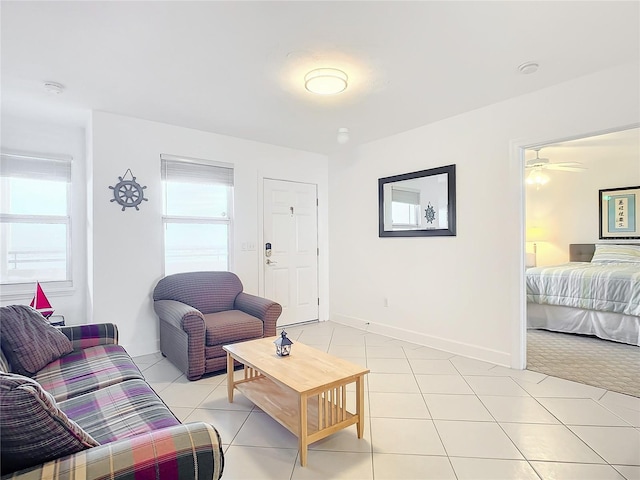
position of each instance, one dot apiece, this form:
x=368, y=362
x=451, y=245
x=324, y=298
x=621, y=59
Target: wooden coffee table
x=305, y=392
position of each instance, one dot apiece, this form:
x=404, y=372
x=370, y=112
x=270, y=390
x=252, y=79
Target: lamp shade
x=325, y=81
x=536, y=234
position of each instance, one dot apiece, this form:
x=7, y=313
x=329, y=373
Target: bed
x=596, y=293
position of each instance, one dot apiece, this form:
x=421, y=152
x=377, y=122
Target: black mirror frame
x=450, y=170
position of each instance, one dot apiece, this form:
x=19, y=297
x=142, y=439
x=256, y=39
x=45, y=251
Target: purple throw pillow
x=34, y=429
x=29, y=342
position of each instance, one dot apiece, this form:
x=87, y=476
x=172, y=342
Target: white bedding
x=586, y=298
x=606, y=325
x=611, y=287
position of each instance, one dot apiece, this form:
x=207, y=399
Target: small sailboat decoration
x=41, y=303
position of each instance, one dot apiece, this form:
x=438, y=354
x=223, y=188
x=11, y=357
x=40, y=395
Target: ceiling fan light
x=537, y=177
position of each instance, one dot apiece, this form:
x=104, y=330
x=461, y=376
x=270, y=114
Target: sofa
x=73, y=404
x=199, y=312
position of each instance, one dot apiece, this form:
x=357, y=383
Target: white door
x=291, y=230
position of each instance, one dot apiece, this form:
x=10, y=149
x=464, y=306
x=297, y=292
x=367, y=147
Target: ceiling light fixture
x=537, y=177
x=54, y=88
x=325, y=81
x=528, y=68
x=343, y=135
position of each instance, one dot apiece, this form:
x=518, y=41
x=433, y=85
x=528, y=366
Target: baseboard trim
x=457, y=348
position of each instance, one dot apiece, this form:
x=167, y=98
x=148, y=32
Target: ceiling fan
x=537, y=166
x=544, y=163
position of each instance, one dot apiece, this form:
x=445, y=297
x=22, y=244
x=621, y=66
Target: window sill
x=22, y=290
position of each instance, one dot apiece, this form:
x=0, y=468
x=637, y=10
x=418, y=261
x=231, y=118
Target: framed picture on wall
x=619, y=211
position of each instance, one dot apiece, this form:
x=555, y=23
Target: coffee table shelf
x=284, y=407
x=306, y=392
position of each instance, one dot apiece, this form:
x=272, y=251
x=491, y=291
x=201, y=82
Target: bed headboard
x=583, y=252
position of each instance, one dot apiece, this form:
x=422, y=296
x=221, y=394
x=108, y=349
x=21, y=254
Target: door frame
x=321, y=258
x=517, y=149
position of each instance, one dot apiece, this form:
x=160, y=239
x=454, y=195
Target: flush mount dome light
x=325, y=81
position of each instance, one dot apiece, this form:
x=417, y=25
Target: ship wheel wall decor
x=128, y=193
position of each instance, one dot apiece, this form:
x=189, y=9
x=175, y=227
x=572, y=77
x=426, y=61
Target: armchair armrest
x=85, y=336
x=180, y=315
x=182, y=336
x=192, y=450
x=266, y=310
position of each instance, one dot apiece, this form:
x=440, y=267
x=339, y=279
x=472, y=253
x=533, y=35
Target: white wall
x=32, y=136
x=464, y=293
x=127, y=246
x=566, y=208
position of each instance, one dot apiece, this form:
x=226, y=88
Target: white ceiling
x=623, y=144
x=237, y=68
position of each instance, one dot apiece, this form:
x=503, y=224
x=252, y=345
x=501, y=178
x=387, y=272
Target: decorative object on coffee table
x=283, y=345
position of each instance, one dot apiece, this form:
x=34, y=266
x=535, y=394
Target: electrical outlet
x=385, y=302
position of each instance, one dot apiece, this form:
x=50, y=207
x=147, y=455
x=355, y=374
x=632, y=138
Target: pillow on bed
x=616, y=254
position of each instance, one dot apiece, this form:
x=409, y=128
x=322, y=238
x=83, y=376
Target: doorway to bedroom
x=562, y=219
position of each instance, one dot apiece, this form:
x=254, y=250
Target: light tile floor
x=429, y=415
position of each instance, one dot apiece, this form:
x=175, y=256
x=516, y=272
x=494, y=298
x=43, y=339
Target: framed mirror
x=418, y=204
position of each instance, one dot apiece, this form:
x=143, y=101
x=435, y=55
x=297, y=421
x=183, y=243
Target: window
x=198, y=201
x=405, y=207
x=35, y=221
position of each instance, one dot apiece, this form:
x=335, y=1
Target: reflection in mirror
x=418, y=204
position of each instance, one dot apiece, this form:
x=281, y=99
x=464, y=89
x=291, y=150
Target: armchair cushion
x=29, y=341
x=34, y=429
x=231, y=326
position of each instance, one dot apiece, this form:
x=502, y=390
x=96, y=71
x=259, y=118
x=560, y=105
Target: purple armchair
x=200, y=312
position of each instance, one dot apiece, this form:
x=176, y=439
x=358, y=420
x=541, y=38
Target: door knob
x=270, y=262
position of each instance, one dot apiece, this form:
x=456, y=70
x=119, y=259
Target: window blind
x=405, y=196
x=39, y=168
x=187, y=170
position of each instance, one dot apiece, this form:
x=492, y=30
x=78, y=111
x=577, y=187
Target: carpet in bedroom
x=589, y=360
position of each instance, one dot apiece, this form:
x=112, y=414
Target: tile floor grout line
x=435, y=427
x=553, y=388
x=366, y=359
x=498, y=423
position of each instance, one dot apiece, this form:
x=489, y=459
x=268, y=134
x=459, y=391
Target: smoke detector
x=53, y=88
x=528, y=68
